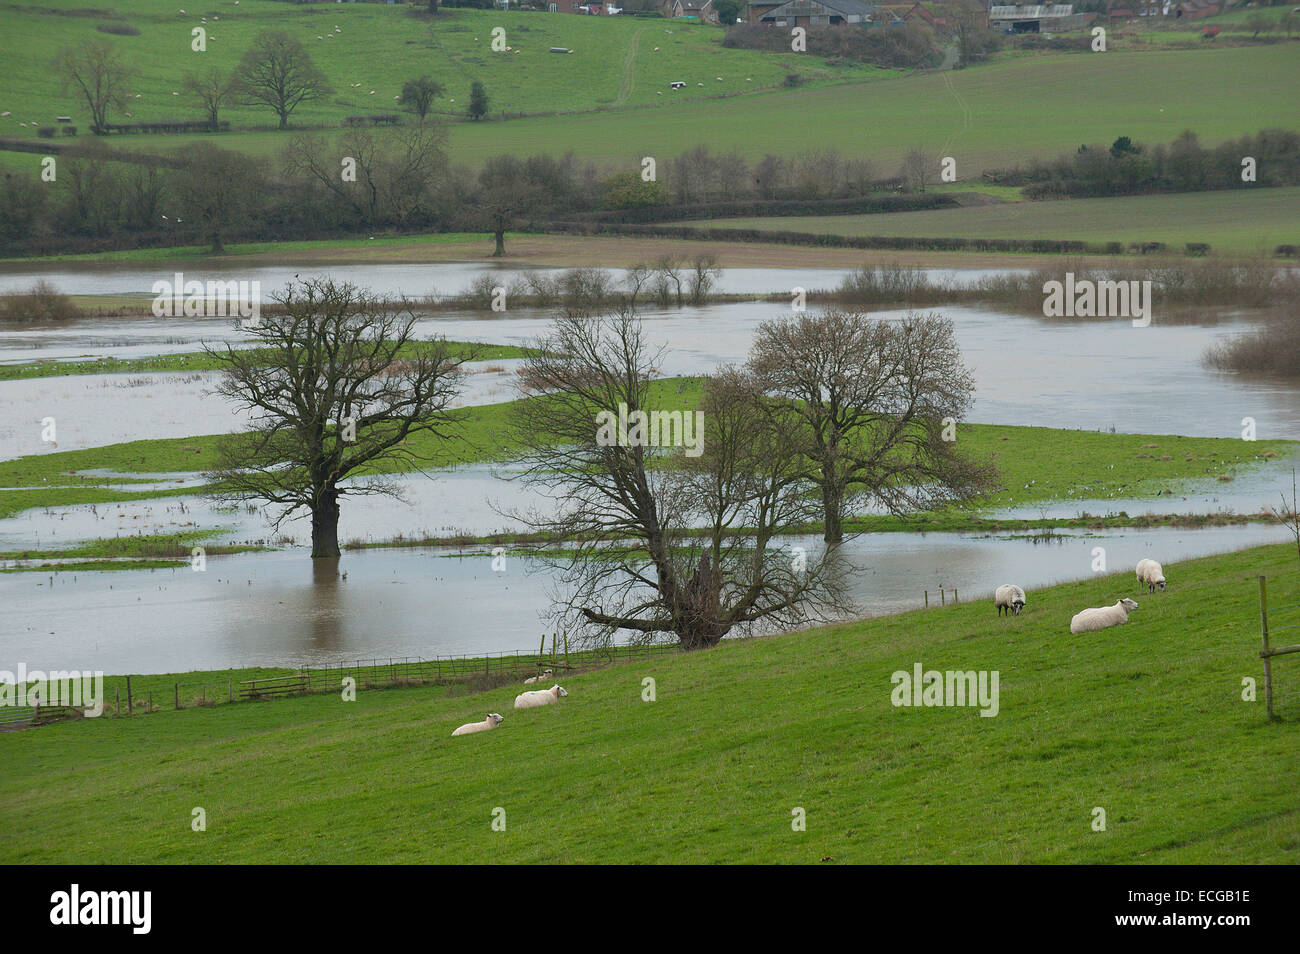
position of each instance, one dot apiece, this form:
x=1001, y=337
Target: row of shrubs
x=49, y=132
x=374, y=119
x=780, y=207
x=165, y=126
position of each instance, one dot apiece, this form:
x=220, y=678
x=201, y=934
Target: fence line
x=151, y=693
x=1268, y=654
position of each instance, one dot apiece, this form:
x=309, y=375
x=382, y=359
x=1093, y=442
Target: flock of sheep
x=530, y=699
x=1150, y=574
x=1007, y=598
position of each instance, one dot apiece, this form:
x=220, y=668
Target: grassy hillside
x=614, y=61
x=994, y=115
x=1146, y=722
x=1237, y=221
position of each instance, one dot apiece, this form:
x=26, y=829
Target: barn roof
x=805, y=8
x=1046, y=11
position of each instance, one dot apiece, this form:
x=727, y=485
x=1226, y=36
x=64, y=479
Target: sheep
x=1102, y=617
x=539, y=697
x=493, y=720
x=1009, y=597
x=1151, y=575
x=532, y=679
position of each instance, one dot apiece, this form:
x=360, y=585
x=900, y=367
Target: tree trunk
x=284, y=119
x=832, y=516
x=501, y=243
x=325, y=526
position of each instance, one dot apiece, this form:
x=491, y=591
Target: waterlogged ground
x=284, y=609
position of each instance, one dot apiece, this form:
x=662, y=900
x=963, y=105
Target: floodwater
x=1028, y=370
x=284, y=609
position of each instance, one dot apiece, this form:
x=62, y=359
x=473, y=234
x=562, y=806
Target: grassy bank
x=1036, y=464
x=1147, y=723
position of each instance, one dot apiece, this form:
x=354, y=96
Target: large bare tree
x=681, y=540
x=277, y=71
x=211, y=88
x=867, y=400
x=94, y=70
x=338, y=386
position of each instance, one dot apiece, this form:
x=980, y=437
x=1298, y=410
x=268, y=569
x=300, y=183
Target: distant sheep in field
x=539, y=697
x=1009, y=597
x=539, y=678
x=1151, y=575
x=493, y=720
x=1102, y=617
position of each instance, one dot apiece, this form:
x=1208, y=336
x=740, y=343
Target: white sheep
x=1009, y=597
x=493, y=720
x=1151, y=575
x=539, y=697
x=539, y=678
x=1102, y=617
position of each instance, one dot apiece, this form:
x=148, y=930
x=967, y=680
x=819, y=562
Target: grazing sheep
x=1151, y=575
x=1102, y=617
x=540, y=678
x=493, y=720
x=1009, y=597
x=539, y=697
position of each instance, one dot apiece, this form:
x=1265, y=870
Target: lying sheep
x=1009, y=597
x=1102, y=617
x=493, y=720
x=539, y=697
x=542, y=678
x=1151, y=575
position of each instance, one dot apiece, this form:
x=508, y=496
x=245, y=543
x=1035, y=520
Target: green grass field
x=997, y=114
x=1146, y=722
x=616, y=62
x=1237, y=221
x=1035, y=464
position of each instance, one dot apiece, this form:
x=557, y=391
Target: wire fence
x=134, y=695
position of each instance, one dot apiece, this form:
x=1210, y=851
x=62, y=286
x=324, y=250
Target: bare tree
x=1289, y=515
x=94, y=70
x=395, y=179
x=669, y=275
x=218, y=191
x=868, y=400
x=505, y=192
x=661, y=540
x=211, y=89
x=338, y=387
x=918, y=171
x=704, y=274
x=418, y=94
x=277, y=71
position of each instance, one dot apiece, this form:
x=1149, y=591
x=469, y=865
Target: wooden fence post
x=1268, y=662
x=176, y=695
x=117, y=700
x=943, y=597
x=954, y=596
x=230, y=690
x=130, y=709
x=927, y=599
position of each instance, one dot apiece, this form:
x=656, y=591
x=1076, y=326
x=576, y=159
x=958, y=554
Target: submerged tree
x=340, y=390
x=873, y=406
x=671, y=520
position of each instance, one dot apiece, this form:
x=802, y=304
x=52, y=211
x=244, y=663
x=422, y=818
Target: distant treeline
x=908, y=47
x=1127, y=167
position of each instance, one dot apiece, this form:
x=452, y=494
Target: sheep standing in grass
x=1009, y=597
x=1102, y=617
x=539, y=697
x=493, y=720
x=1151, y=575
x=541, y=678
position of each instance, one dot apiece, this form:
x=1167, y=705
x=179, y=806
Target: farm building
x=812, y=13
x=1037, y=18
x=1195, y=9
x=701, y=10
x=907, y=12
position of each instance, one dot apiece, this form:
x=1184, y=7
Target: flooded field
x=284, y=609
x=281, y=607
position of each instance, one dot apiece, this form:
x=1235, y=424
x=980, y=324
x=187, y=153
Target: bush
x=46, y=132
x=69, y=130
x=1272, y=348
x=117, y=29
x=41, y=302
